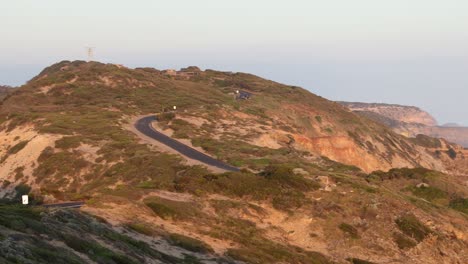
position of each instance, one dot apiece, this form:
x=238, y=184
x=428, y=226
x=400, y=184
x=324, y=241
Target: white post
x=25, y=199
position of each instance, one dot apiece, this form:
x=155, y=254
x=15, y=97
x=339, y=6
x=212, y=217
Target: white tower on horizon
x=90, y=52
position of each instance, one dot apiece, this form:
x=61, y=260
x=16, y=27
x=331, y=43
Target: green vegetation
x=264, y=256
x=169, y=209
x=429, y=193
x=403, y=242
x=277, y=183
x=190, y=244
x=20, y=218
x=452, y=153
x=359, y=261
x=403, y=173
x=27, y=225
x=350, y=230
x=459, y=204
x=426, y=141
x=90, y=103
x=68, y=142
x=16, y=148
x=412, y=227
x=141, y=228
x=95, y=251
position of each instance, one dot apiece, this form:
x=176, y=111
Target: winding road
x=64, y=205
x=144, y=126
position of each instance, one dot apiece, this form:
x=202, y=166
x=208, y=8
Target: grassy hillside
x=306, y=193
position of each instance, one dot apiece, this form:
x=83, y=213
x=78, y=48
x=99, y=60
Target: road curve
x=64, y=205
x=144, y=126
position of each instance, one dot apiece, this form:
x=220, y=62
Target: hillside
x=4, y=91
x=409, y=121
x=310, y=189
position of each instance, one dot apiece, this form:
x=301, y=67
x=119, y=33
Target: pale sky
x=395, y=51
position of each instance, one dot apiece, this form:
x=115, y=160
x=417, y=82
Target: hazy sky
x=396, y=51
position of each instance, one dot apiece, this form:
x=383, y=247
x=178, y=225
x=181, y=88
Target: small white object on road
x=175, y=107
x=25, y=199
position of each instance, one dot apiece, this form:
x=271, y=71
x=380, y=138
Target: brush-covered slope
x=276, y=117
x=4, y=91
x=67, y=134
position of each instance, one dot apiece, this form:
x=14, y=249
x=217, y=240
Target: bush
x=141, y=228
x=359, y=261
x=412, y=227
x=169, y=209
x=426, y=141
x=402, y=241
x=190, y=244
x=459, y=204
x=97, y=252
x=402, y=173
x=162, y=210
x=68, y=142
x=452, y=153
x=16, y=148
x=350, y=230
x=286, y=178
x=166, y=116
x=428, y=193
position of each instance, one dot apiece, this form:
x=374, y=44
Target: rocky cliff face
x=409, y=121
x=401, y=113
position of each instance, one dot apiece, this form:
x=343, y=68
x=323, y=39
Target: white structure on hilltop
x=90, y=52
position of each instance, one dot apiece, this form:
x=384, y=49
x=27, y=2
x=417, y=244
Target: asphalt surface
x=64, y=205
x=144, y=126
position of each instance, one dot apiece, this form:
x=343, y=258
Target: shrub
x=68, y=142
x=176, y=210
x=402, y=173
x=428, y=193
x=452, y=153
x=426, y=141
x=166, y=116
x=141, y=228
x=162, y=210
x=350, y=230
x=97, y=252
x=402, y=241
x=412, y=227
x=16, y=148
x=189, y=243
x=459, y=204
x=358, y=261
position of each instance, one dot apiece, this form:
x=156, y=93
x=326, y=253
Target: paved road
x=144, y=126
x=64, y=205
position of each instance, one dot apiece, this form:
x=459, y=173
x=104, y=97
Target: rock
x=327, y=185
x=300, y=171
x=422, y=184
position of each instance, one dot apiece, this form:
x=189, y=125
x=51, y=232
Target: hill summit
x=316, y=183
